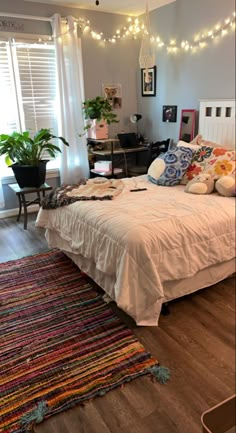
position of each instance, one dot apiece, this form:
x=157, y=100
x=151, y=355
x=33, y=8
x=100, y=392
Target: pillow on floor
x=169, y=168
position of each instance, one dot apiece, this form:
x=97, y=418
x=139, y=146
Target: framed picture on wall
x=169, y=113
x=112, y=92
x=148, y=81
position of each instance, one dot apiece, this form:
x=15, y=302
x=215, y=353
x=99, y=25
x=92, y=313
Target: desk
x=114, y=151
x=22, y=192
x=119, y=151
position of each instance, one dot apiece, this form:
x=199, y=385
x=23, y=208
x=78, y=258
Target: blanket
x=91, y=189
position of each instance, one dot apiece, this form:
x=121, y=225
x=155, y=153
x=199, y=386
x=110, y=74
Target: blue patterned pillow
x=169, y=168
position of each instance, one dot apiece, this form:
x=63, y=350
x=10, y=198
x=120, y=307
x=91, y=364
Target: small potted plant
x=24, y=155
x=98, y=113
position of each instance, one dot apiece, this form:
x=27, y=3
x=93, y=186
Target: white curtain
x=74, y=159
x=2, y=203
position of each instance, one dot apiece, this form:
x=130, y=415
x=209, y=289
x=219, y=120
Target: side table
x=22, y=192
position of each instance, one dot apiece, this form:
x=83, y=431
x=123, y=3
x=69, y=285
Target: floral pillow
x=169, y=168
x=221, y=163
x=198, y=164
x=209, y=143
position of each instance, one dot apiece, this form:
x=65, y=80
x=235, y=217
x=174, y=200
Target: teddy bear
x=201, y=184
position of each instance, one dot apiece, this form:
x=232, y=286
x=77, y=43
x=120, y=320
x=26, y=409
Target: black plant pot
x=30, y=175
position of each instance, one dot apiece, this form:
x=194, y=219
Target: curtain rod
x=26, y=17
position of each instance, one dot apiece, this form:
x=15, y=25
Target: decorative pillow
x=197, y=140
x=221, y=163
x=209, y=143
x=192, y=146
x=169, y=168
x=201, y=184
x=198, y=164
x=226, y=186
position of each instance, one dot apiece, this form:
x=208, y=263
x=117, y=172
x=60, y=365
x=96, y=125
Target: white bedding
x=142, y=240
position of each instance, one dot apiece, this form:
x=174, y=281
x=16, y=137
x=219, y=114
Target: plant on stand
x=24, y=155
x=98, y=113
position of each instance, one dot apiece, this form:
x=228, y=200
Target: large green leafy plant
x=20, y=148
x=99, y=108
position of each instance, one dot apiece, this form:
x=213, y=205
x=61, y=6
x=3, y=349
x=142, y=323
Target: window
x=28, y=89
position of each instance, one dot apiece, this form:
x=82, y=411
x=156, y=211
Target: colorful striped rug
x=60, y=343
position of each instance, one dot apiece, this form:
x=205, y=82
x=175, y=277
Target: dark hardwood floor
x=196, y=341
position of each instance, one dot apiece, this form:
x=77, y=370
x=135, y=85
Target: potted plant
x=99, y=113
x=24, y=155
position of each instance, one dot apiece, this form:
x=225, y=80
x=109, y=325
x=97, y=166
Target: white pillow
x=157, y=168
x=226, y=186
x=169, y=168
x=189, y=145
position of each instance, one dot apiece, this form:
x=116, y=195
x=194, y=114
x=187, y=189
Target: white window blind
x=37, y=72
x=28, y=75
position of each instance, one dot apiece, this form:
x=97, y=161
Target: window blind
x=28, y=86
x=37, y=77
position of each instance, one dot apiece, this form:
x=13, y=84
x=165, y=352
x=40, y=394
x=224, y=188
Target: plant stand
x=22, y=192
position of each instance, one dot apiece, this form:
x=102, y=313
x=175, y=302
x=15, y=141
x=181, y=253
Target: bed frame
x=217, y=121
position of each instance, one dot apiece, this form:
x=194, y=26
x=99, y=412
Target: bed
x=147, y=247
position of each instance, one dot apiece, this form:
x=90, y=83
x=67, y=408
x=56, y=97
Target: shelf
x=107, y=173
x=119, y=151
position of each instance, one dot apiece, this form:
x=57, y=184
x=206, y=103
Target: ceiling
x=124, y=7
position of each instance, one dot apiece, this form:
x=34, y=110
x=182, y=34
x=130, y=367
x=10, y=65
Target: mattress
x=141, y=241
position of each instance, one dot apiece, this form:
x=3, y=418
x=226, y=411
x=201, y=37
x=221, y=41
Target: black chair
x=154, y=150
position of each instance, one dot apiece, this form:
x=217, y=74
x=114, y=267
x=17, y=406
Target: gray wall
x=184, y=78
x=109, y=64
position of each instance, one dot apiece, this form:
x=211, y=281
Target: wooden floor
x=196, y=341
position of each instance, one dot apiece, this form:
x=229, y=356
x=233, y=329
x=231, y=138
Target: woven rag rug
x=61, y=344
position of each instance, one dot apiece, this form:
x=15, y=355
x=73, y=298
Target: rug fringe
x=36, y=416
x=161, y=374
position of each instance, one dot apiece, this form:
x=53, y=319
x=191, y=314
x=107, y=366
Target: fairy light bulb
x=136, y=26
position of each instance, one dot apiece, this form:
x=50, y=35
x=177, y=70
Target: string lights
x=201, y=40
x=135, y=28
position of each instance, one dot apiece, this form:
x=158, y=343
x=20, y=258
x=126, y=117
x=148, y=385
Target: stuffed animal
x=201, y=184
x=226, y=186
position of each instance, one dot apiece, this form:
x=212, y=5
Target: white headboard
x=217, y=121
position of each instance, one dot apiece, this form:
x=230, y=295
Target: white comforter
x=140, y=240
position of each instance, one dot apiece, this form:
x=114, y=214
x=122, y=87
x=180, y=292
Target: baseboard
x=14, y=212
